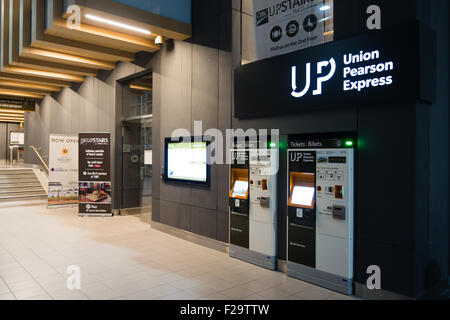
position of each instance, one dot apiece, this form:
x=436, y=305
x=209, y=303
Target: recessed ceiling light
x=117, y=24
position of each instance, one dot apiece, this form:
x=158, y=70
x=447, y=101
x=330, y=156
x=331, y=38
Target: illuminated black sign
x=378, y=67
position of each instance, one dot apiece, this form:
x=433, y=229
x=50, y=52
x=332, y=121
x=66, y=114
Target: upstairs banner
x=63, y=176
x=95, y=174
x=287, y=25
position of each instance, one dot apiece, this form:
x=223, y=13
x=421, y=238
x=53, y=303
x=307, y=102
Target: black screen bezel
x=199, y=184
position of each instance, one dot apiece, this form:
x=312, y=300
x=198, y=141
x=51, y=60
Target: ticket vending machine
x=253, y=203
x=321, y=210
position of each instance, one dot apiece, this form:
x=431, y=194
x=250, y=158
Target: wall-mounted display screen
x=187, y=162
x=303, y=196
x=240, y=189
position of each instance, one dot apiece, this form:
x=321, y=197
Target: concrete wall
x=3, y=140
x=192, y=82
x=439, y=139
x=412, y=249
x=86, y=107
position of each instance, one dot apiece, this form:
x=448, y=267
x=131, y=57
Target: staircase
x=19, y=185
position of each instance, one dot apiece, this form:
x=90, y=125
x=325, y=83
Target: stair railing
x=40, y=158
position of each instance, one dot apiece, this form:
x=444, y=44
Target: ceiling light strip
x=117, y=24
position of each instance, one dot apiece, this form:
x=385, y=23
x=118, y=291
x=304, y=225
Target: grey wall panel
x=207, y=198
x=176, y=88
x=205, y=93
x=185, y=217
x=236, y=5
x=156, y=210
x=205, y=86
x=170, y=213
x=247, y=7
x=195, y=81
x=158, y=157
x=248, y=39
x=224, y=123
x=3, y=142
x=204, y=222
x=175, y=215
x=236, y=39
x=225, y=93
x=223, y=187
x=223, y=223
x=439, y=120
x=175, y=103
x=170, y=192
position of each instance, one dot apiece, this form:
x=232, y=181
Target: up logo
x=296, y=156
x=320, y=80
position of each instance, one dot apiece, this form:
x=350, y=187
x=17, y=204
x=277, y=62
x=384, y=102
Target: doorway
x=136, y=143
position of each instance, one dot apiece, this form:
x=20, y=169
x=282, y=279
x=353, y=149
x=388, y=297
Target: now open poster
x=95, y=174
x=63, y=175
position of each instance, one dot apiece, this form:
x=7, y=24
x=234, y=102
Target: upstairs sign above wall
x=378, y=67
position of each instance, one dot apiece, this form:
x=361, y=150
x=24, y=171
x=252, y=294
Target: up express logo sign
x=360, y=71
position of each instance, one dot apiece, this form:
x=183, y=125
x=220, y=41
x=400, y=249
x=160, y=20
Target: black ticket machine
x=321, y=210
x=253, y=203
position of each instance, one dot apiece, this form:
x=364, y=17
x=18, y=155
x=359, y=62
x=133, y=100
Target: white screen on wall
x=187, y=161
x=240, y=189
x=303, y=196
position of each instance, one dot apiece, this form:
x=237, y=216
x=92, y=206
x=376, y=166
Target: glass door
x=137, y=111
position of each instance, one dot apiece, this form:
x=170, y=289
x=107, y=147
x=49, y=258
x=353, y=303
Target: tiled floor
x=123, y=258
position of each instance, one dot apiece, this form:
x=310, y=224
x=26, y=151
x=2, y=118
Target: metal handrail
x=40, y=158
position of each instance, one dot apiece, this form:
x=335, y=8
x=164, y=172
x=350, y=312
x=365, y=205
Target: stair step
x=12, y=173
x=18, y=184
x=19, y=178
x=21, y=192
x=15, y=186
x=20, y=198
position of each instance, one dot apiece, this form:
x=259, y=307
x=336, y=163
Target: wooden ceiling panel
x=54, y=67
x=28, y=90
x=42, y=74
x=40, y=53
x=102, y=37
x=34, y=80
x=21, y=94
x=69, y=59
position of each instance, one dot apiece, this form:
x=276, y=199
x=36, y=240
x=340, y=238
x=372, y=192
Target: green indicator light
x=349, y=143
x=273, y=145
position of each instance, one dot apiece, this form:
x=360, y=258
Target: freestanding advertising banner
x=95, y=174
x=63, y=176
x=284, y=26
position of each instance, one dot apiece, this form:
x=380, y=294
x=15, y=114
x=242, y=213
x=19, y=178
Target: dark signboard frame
x=95, y=174
x=180, y=182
